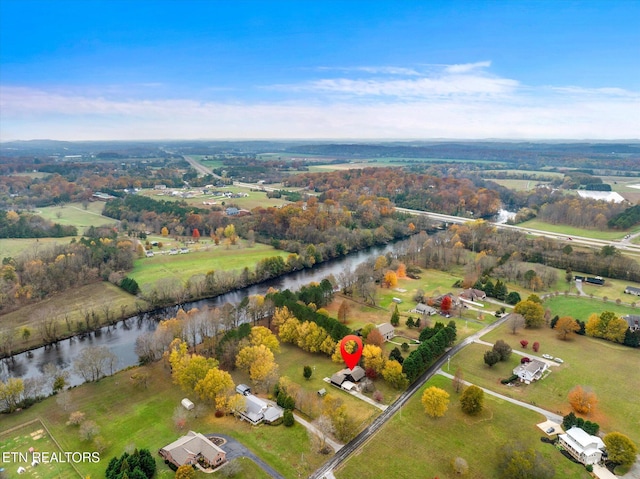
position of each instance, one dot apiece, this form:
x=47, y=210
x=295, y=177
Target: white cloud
x=450, y=101
x=467, y=67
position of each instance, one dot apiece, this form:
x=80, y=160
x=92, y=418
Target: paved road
x=548, y=414
x=235, y=449
x=326, y=470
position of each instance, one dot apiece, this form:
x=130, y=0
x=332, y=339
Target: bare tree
x=515, y=321
x=94, y=363
x=324, y=428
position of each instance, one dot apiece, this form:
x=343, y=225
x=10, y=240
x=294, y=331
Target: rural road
x=326, y=470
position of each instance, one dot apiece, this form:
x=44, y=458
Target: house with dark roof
x=193, y=448
x=347, y=375
x=632, y=290
x=633, y=320
x=473, y=294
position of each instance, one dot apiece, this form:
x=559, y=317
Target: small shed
x=322, y=392
x=187, y=404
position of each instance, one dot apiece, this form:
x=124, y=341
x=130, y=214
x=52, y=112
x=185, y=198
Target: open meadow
x=129, y=416
x=581, y=308
x=146, y=271
x=74, y=214
x=604, y=367
x=414, y=445
x=72, y=303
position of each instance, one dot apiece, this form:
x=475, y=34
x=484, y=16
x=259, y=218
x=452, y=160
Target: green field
x=133, y=417
x=254, y=200
x=604, y=366
x=570, y=230
x=414, y=445
x=17, y=443
x=12, y=247
x=147, y=271
x=518, y=185
x=581, y=307
x=74, y=214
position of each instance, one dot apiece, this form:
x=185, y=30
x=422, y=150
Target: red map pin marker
x=351, y=359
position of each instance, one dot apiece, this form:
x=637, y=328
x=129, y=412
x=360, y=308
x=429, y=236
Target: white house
x=531, y=371
x=582, y=446
x=193, y=448
x=386, y=330
x=422, y=308
x=257, y=411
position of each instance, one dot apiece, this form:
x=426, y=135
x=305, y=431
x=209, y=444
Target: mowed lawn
x=134, y=417
x=610, y=370
x=13, y=247
x=74, y=214
x=147, y=271
x=581, y=308
x=413, y=445
x=17, y=442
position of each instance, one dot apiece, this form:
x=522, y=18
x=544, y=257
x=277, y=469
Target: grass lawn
x=581, y=307
x=605, y=367
x=131, y=417
x=75, y=214
x=12, y=247
x=73, y=302
x=413, y=445
x=33, y=435
x=518, y=185
x=570, y=230
x=147, y=271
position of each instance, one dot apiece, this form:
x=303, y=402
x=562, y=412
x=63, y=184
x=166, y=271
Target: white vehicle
x=547, y=356
x=558, y=360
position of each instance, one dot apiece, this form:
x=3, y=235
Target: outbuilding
x=187, y=404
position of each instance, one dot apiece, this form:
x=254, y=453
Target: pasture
x=570, y=230
x=413, y=445
x=130, y=416
x=74, y=214
x=603, y=366
x=146, y=271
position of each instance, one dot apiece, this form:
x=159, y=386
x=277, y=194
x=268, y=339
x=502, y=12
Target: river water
x=121, y=337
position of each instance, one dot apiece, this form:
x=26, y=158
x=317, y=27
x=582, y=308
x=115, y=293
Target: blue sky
x=84, y=70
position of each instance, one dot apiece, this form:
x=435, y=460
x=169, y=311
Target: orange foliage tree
x=582, y=401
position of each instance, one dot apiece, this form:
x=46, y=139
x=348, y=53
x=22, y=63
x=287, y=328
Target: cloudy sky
x=349, y=69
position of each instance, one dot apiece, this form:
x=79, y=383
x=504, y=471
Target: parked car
x=547, y=356
x=550, y=430
x=558, y=360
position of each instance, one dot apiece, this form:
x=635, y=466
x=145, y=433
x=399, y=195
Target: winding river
x=121, y=337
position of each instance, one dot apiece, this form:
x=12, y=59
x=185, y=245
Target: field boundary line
x=58, y=445
x=19, y=426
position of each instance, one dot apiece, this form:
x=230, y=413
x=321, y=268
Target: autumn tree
x=390, y=279
x=372, y=358
x=11, y=393
x=259, y=362
x=392, y=373
x=582, y=401
x=261, y=335
x=532, y=311
x=164, y=232
x=607, y=326
x=343, y=311
x=445, y=305
x=185, y=472
x=435, y=401
x=195, y=234
x=565, y=326
x=375, y=338
x=472, y=400
x=401, y=271
x=217, y=387
x=620, y=449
